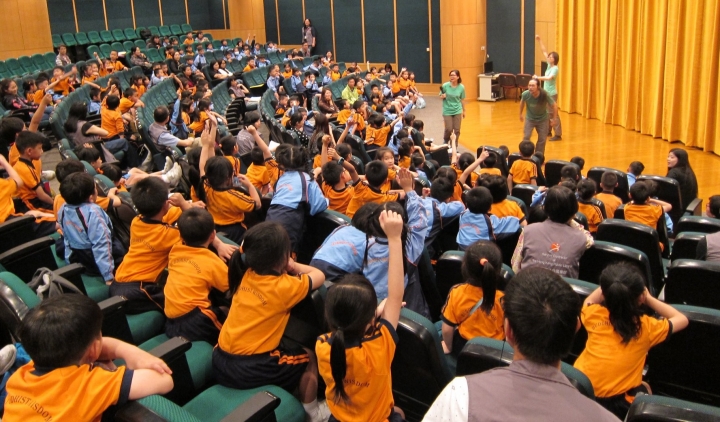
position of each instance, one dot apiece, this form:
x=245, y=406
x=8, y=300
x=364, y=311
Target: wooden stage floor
x=598, y=143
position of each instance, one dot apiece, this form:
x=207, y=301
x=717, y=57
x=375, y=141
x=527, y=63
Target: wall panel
x=414, y=38
x=379, y=31
x=348, y=30
x=198, y=12
x=90, y=16
x=119, y=14
x=291, y=20
x=503, y=34
x=318, y=11
x=63, y=19
x=173, y=12
x=271, y=26
x=147, y=12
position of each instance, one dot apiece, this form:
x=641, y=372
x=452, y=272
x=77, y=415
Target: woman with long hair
x=309, y=35
x=680, y=170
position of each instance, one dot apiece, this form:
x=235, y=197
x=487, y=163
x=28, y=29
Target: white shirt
x=452, y=403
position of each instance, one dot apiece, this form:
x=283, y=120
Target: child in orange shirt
x=612, y=202
x=474, y=308
x=336, y=174
x=31, y=195
x=594, y=213
x=643, y=209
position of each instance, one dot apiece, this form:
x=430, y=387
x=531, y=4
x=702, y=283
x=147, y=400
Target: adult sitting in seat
x=81, y=132
x=680, y=170
x=161, y=136
x=541, y=317
x=708, y=249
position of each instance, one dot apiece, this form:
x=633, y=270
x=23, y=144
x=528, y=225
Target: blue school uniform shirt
x=327, y=79
x=344, y=249
x=93, y=232
x=289, y=192
x=474, y=227
x=273, y=83
x=312, y=87
x=444, y=209
x=199, y=61
x=376, y=269
x=296, y=82
x=94, y=107
x=538, y=198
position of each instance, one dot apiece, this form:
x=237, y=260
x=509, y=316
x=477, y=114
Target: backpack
x=46, y=285
x=121, y=218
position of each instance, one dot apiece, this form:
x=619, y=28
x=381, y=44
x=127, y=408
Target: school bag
x=46, y=285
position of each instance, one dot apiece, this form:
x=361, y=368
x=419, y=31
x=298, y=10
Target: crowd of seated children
x=63, y=337
x=226, y=204
x=194, y=272
x=620, y=335
x=362, y=341
x=249, y=353
x=474, y=308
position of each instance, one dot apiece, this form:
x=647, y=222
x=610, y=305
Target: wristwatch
x=341, y=161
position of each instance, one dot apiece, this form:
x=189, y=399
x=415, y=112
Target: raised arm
x=207, y=140
x=259, y=142
x=37, y=117
x=542, y=46
x=473, y=166
x=392, y=224
x=11, y=171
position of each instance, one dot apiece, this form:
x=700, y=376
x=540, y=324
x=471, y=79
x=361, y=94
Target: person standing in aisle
x=538, y=102
x=453, y=95
x=550, y=79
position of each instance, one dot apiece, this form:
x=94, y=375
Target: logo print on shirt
x=555, y=247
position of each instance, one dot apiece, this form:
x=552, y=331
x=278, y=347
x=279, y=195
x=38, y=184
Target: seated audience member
x=263, y=170
x=620, y=335
x=153, y=233
x=193, y=272
x=594, y=214
x=376, y=173
x=44, y=222
x=87, y=230
x=63, y=338
x=679, y=169
x=708, y=248
x=476, y=224
x=336, y=177
x=541, y=317
x=161, y=136
x=524, y=170
x=634, y=170
x=580, y=162
x=608, y=182
x=501, y=207
x=558, y=242
x=31, y=195
x=474, y=308
x=245, y=139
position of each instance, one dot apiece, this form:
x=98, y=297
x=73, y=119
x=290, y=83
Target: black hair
x=465, y=160
x=10, y=127
x=408, y=119
x=622, y=284
x=418, y=160
x=256, y=156
x=457, y=72
x=505, y=150
x=407, y=146
x=94, y=92
x=90, y=155
x=129, y=92
x=586, y=189
x=569, y=172
x=497, y=185
x=196, y=225
x=636, y=168
x=479, y=200
x=27, y=139
x=112, y=102
x=40, y=79
x=331, y=172
x=542, y=311
x=527, y=149
x=490, y=161
x=77, y=112
x=484, y=275
x=218, y=173
x=292, y=157
x=296, y=118
x=161, y=114
x=372, y=227
x=265, y=249
x=111, y=171
x=380, y=153
x=442, y=189
x=77, y=188
x=714, y=204
x=67, y=167
x=609, y=180
x=640, y=192
x=228, y=144
x=149, y=196
x=349, y=308
x=343, y=150
x=560, y=204
x=568, y=183
x=418, y=124
x=59, y=330
x=376, y=173
x=536, y=214
x=448, y=172
x=579, y=161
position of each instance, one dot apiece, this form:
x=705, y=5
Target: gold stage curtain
x=647, y=65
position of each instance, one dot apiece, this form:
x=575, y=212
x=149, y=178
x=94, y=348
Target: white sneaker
x=148, y=159
x=168, y=165
x=172, y=177
x=7, y=358
x=48, y=175
x=323, y=412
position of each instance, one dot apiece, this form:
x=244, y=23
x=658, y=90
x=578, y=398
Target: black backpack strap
x=490, y=227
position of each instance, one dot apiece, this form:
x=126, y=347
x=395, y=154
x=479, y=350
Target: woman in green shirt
x=453, y=95
x=550, y=79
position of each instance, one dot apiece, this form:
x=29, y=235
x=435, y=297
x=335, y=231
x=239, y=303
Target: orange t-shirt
x=364, y=194
x=338, y=200
x=611, y=202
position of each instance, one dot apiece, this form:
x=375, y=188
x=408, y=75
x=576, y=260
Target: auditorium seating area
x=681, y=372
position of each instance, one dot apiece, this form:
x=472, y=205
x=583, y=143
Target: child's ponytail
x=481, y=267
x=338, y=365
x=622, y=285
x=236, y=270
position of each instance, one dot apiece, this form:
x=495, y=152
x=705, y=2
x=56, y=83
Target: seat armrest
x=115, y=322
x=112, y=304
x=135, y=412
x=171, y=349
x=694, y=208
x=260, y=407
x=72, y=273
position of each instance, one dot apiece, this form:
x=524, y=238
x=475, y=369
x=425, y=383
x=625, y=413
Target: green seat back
x=119, y=35
x=56, y=40
x=20, y=288
x=117, y=46
x=186, y=28
x=69, y=39
x=165, y=31
x=176, y=30
x=15, y=69
x=140, y=43
x=130, y=34
x=82, y=38
x=39, y=61
x=154, y=30
x=28, y=64
x=49, y=60
x=94, y=37
x=92, y=49
x=128, y=45
x=107, y=36
x=146, y=325
x=105, y=49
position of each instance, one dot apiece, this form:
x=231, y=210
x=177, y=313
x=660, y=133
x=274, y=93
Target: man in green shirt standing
x=538, y=101
x=550, y=78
